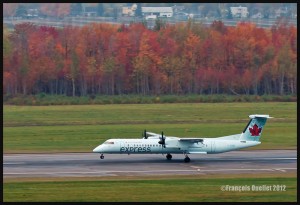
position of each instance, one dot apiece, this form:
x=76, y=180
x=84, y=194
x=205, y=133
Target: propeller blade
x=145, y=135
x=163, y=140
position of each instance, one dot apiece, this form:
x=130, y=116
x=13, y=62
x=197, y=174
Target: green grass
x=82, y=127
x=195, y=189
x=46, y=99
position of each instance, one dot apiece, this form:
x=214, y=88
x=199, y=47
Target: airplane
x=153, y=143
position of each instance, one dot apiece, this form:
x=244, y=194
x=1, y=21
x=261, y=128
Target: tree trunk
x=73, y=87
x=24, y=87
x=112, y=84
x=282, y=84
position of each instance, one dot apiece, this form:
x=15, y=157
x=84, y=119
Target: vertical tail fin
x=253, y=130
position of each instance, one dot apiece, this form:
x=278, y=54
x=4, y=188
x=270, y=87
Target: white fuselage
x=172, y=145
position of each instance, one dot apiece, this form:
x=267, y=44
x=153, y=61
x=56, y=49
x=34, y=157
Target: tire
x=187, y=159
x=169, y=157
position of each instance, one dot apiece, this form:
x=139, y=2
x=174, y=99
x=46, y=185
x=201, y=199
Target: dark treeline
x=185, y=58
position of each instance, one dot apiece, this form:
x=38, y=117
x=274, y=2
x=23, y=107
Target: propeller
x=162, y=141
x=145, y=135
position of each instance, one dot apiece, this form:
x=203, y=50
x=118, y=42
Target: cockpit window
x=108, y=142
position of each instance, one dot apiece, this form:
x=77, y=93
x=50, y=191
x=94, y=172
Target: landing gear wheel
x=187, y=159
x=101, y=156
x=169, y=156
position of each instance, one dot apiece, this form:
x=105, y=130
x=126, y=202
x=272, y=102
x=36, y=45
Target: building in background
x=239, y=12
x=178, y=8
x=89, y=10
x=157, y=11
x=32, y=13
x=129, y=11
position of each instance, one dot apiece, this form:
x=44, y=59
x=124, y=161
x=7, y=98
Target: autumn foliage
x=176, y=59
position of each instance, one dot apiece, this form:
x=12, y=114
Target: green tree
x=138, y=11
x=109, y=66
x=6, y=42
x=159, y=24
x=229, y=14
x=21, y=11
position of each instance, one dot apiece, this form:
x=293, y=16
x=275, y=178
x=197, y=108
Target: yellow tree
x=122, y=51
x=21, y=51
x=191, y=56
x=145, y=63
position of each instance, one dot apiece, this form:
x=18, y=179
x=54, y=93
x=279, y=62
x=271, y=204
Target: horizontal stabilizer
x=259, y=116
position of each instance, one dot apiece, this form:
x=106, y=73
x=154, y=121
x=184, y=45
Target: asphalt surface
x=89, y=164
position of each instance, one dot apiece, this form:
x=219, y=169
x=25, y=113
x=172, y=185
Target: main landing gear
x=186, y=159
x=169, y=156
x=101, y=156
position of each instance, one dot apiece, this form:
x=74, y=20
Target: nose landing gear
x=101, y=156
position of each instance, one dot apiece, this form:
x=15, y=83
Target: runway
x=89, y=164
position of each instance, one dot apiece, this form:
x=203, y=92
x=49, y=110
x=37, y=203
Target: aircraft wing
x=191, y=140
x=151, y=134
x=198, y=152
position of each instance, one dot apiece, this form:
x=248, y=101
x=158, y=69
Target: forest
x=183, y=58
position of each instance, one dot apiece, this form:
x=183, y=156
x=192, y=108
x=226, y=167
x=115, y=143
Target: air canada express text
x=135, y=149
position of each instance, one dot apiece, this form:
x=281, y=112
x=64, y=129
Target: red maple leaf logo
x=255, y=131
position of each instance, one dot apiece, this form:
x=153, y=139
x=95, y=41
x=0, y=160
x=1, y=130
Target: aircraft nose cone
x=97, y=149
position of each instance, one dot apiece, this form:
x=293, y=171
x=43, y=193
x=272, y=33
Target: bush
x=41, y=95
x=44, y=99
x=166, y=99
x=92, y=96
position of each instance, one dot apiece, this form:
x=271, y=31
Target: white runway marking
x=143, y=171
x=196, y=167
x=295, y=158
x=7, y=163
x=273, y=169
x=251, y=159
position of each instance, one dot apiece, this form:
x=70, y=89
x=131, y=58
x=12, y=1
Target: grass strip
x=196, y=188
